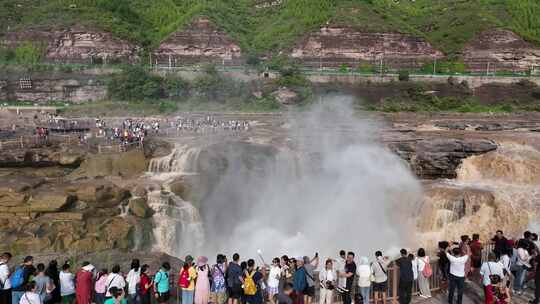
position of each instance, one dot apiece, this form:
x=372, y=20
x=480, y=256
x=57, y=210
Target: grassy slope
x=448, y=24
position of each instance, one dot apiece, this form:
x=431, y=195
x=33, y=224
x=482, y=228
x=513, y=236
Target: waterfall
x=183, y=159
x=496, y=190
x=177, y=225
x=178, y=228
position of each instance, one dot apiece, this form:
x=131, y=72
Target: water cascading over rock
x=495, y=190
x=177, y=224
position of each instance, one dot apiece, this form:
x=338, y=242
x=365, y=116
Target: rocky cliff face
x=332, y=46
x=77, y=46
x=200, y=42
x=66, y=88
x=502, y=50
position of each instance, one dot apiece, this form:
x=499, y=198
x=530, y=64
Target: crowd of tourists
x=208, y=124
x=286, y=280
x=130, y=131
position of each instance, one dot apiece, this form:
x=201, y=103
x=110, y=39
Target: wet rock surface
x=440, y=157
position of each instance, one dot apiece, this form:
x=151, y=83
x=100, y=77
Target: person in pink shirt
x=100, y=287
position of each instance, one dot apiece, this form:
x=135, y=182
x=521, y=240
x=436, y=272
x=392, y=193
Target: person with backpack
x=5, y=285
x=380, y=277
x=234, y=282
x=218, y=290
x=145, y=285
x=252, y=284
x=83, y=283
x=53, y=273
x=161, y=283
x=67, y=285
x=20, y=278
x=424, y=273
x=114, y=279
x=186, y=280
x=44, y=284
x=30, y=295
x=202, y=286
x=133, y=279
x=100, y=288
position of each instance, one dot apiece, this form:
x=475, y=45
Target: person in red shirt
x=84, y=284
x=146, y=284
x=476, y=254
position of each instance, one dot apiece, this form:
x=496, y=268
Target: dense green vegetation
x=136, y=88
x=448, y=24
x=442, y=104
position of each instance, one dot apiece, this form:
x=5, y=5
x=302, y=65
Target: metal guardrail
x=36, y=141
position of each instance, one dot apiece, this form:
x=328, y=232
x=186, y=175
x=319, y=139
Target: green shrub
x=168, y=106
x=343, y=68
x=451, y=67
x=366, y=67
x=176, y=87
x=29, y=53
x=403, y=75
x=253, y=59
x=135, y=83
x=6, y=55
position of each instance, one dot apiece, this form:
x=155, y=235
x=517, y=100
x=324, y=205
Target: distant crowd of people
x=130, y=131
x=286, y=280
x=209, y=124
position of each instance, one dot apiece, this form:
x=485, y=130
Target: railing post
x=395, y=285
x=22, y=142
x=99, y=149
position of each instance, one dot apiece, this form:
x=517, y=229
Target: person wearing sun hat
x=202, y=287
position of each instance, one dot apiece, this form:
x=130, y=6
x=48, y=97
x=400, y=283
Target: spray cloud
x=332, y=187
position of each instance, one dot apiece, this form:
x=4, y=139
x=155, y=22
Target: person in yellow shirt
x=186, y=280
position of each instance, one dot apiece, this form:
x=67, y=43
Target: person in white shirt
x=5, y=284
x=30, y=296
x=522, y=265
x=414, y=262
x=506, y=261
x=340, y=268
x=115, y=279
x=273, y=279
x=380, y=273
x=364, y=278
x=423, y=281
x=67, y=284
x=457, y=274
x=327, y=278
x=487, y=270
x=133, y=278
